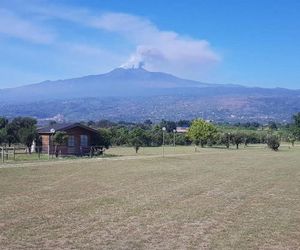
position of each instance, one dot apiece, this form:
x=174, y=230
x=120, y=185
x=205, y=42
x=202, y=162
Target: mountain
x=119, y=82
x=137, y=94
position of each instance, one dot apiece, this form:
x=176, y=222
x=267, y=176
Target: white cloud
x=14, y=26
x=157, y=49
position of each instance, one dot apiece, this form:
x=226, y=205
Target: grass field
x=212, y=199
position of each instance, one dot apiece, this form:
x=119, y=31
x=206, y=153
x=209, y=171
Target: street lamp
x=174, y=138
x=228, y=139
x=164, y=129
x=52, y=131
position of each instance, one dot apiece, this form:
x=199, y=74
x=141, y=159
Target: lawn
x=211, y=199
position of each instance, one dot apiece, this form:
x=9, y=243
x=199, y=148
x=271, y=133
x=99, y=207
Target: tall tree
x=138, y=138
x=295, y=128
x=12, y=133
x=201, y=131
x=13, y=129
x=27, y=136
x=225, y=139
x=237, y=138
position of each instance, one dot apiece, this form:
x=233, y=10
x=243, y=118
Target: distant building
x=182, y=129
x=79, y=138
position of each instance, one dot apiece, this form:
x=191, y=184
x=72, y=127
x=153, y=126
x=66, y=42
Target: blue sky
x=254, y=43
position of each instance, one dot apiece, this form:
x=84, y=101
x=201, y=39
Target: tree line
x=202, y=133
x=23, y=130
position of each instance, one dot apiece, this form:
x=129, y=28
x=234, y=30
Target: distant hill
x=137, y=94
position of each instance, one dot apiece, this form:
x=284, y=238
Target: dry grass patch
x=214, y=199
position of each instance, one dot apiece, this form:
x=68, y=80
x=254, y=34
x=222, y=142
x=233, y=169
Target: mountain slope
x=124, y=83
x=137, y=94
x=119, y=82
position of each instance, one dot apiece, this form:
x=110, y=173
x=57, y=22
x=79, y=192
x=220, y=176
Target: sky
x=252, y=43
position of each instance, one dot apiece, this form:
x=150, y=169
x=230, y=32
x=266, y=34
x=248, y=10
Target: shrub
x=273, y=142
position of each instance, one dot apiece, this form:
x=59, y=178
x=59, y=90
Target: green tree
x=119, y=136
x=182, y=139
x=27, y=136
x=3, y=131
x=155, y=136
x=138, y=138
x=12, y=133
x=237, y=138
x=3, y=136
x=296, y=119
x=295, y=127
x=252, y=137
x=60, y=138
x=3, y=122
x=225, y=139
x=103, y=138
x=13, y=129
x=24, y=122
x=201, y=131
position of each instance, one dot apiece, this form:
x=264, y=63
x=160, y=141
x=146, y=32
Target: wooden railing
x=10, y=153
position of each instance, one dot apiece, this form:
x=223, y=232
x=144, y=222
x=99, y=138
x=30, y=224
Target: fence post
x=39, y=152
x=48, y=152
x=14, y=153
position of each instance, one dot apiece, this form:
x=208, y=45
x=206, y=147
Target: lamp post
x=163, y=144
x=52, y=131
x=228, y=139
x=174, y=138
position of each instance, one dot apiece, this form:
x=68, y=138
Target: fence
x=48, y=152
x=12, y=152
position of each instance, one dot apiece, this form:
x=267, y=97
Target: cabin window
x=71, y=141
x=84, y=140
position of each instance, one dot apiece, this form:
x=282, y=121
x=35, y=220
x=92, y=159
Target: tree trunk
x=56, y=151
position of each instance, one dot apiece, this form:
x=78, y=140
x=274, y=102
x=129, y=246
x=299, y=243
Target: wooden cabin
x=79, y=141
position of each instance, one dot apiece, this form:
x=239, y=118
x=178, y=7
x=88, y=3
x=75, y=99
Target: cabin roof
x=63, y=127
